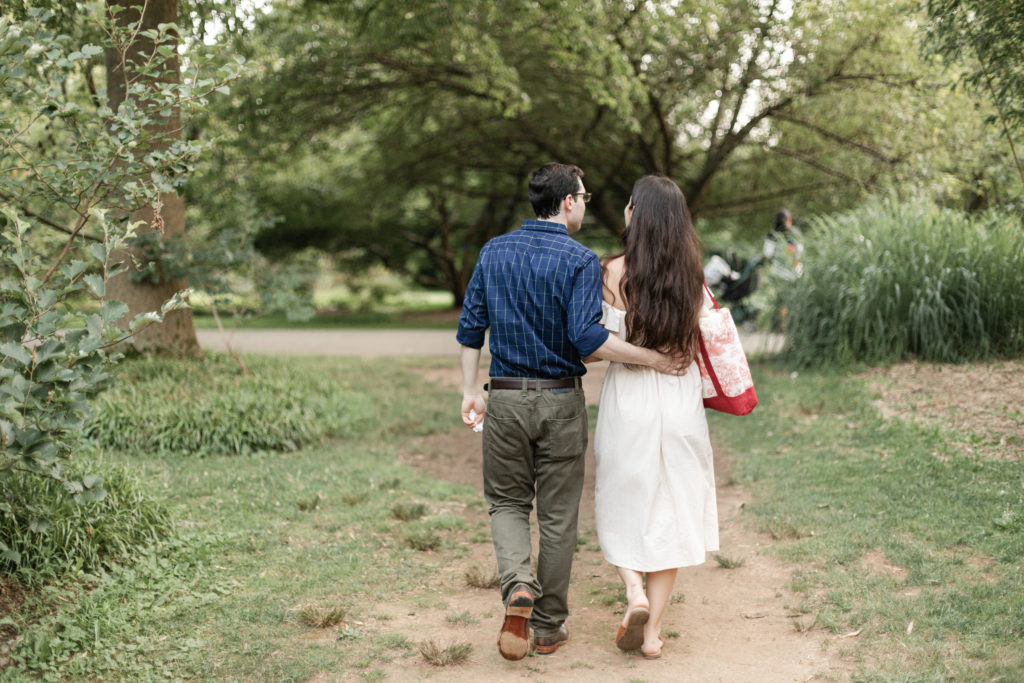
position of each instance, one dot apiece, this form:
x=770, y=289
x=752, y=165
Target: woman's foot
x=652, y=651
x=631, y=631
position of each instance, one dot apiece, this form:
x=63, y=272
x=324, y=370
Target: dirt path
x=724, y=625
x=733, y=625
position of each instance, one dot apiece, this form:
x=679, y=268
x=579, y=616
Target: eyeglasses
x=586, y=196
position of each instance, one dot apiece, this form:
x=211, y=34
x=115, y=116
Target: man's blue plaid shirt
x=539, y=291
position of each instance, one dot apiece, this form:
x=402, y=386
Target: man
x=539, y=291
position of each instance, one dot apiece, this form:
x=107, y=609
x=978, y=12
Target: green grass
x=389, y=303
x=251, y=570
x=210, y=406
x=890, y=526
x=283, y=560
x=441, y=319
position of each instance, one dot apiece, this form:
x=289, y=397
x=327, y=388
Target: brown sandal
x=631, y=636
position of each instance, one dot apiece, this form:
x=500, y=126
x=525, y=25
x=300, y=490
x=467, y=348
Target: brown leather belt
x=528, y=383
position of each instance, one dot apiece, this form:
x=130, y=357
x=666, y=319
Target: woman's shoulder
x=614, y=264
x=613, y=269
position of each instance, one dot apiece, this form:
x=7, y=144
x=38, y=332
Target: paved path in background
x=375, y=343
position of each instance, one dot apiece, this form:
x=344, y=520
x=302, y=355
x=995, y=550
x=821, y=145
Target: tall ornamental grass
x=892, y=281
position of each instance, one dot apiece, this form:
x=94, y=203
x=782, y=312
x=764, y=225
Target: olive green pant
x=534, y=444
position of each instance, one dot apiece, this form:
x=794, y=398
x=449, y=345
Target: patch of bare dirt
x=723, y=624
x=979, y=399
x=877, y=562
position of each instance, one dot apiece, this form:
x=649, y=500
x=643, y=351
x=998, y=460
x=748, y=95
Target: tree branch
x=47, y=221
x=849, y=142
x=752, y=201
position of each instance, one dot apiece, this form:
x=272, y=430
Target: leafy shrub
x=60, y=192
x=896, y=280
x=43, y=529
x=210, y=407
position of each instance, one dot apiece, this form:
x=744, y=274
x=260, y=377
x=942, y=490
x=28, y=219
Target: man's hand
x=671, y=364
x=474, y=402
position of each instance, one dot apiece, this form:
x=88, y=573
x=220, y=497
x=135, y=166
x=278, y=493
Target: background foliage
x=408, y=131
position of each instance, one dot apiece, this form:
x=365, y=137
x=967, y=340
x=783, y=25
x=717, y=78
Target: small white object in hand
x=479, y=427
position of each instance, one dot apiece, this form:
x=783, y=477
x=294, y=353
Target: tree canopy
x=987, y=37
x=410, y=129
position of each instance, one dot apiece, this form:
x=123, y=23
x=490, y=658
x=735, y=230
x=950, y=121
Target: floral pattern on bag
x=725, y=353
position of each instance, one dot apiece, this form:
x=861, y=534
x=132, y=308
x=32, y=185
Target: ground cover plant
x=905, y=536
x=272, y=405
x=895, y=280
x=254, y=568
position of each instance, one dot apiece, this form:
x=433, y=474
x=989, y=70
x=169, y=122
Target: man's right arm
x=472, y=399
x=615, y=349
x=473, y=323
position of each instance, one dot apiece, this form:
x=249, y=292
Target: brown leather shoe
x=545, y=645
x=514, y=638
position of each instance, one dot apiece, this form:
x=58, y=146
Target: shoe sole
x=631, y=636
x=514, y=638
x=548, y=649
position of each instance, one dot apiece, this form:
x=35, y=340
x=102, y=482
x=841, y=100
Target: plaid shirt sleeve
x=585, y=330
x=473, y=321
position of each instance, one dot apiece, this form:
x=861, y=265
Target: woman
x=655, y=487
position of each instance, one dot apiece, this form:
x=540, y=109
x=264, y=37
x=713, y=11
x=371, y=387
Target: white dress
x=655, y=482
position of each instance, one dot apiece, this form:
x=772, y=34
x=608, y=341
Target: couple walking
x=551, y=306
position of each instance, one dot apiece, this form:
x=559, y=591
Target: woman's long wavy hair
x=663, y=281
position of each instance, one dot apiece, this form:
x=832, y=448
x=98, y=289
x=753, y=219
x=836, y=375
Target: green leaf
x=91, y=496
x=144, y=319
x=98, y=252
x=112, y=311
x=38, y=525
x=74, y=269
x=95, y=283
x=91, y=50
x=16, y=352
x=91, y=481
x=94, y=324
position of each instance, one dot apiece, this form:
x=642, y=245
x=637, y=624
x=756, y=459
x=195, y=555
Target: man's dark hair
x=549, y=184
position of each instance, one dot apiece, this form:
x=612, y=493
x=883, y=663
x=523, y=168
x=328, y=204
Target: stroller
x=732, y=279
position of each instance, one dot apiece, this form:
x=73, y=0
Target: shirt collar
x=544, y=226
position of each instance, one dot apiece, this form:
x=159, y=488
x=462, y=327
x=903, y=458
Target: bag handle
x=708, y=290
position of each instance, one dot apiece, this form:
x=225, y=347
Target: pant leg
x=560, y=463
x=509, y=484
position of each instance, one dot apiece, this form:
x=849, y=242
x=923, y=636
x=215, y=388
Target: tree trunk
x=177, y=334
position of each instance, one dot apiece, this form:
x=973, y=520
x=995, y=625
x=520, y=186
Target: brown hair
x=550, y=184
x=663, y=280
